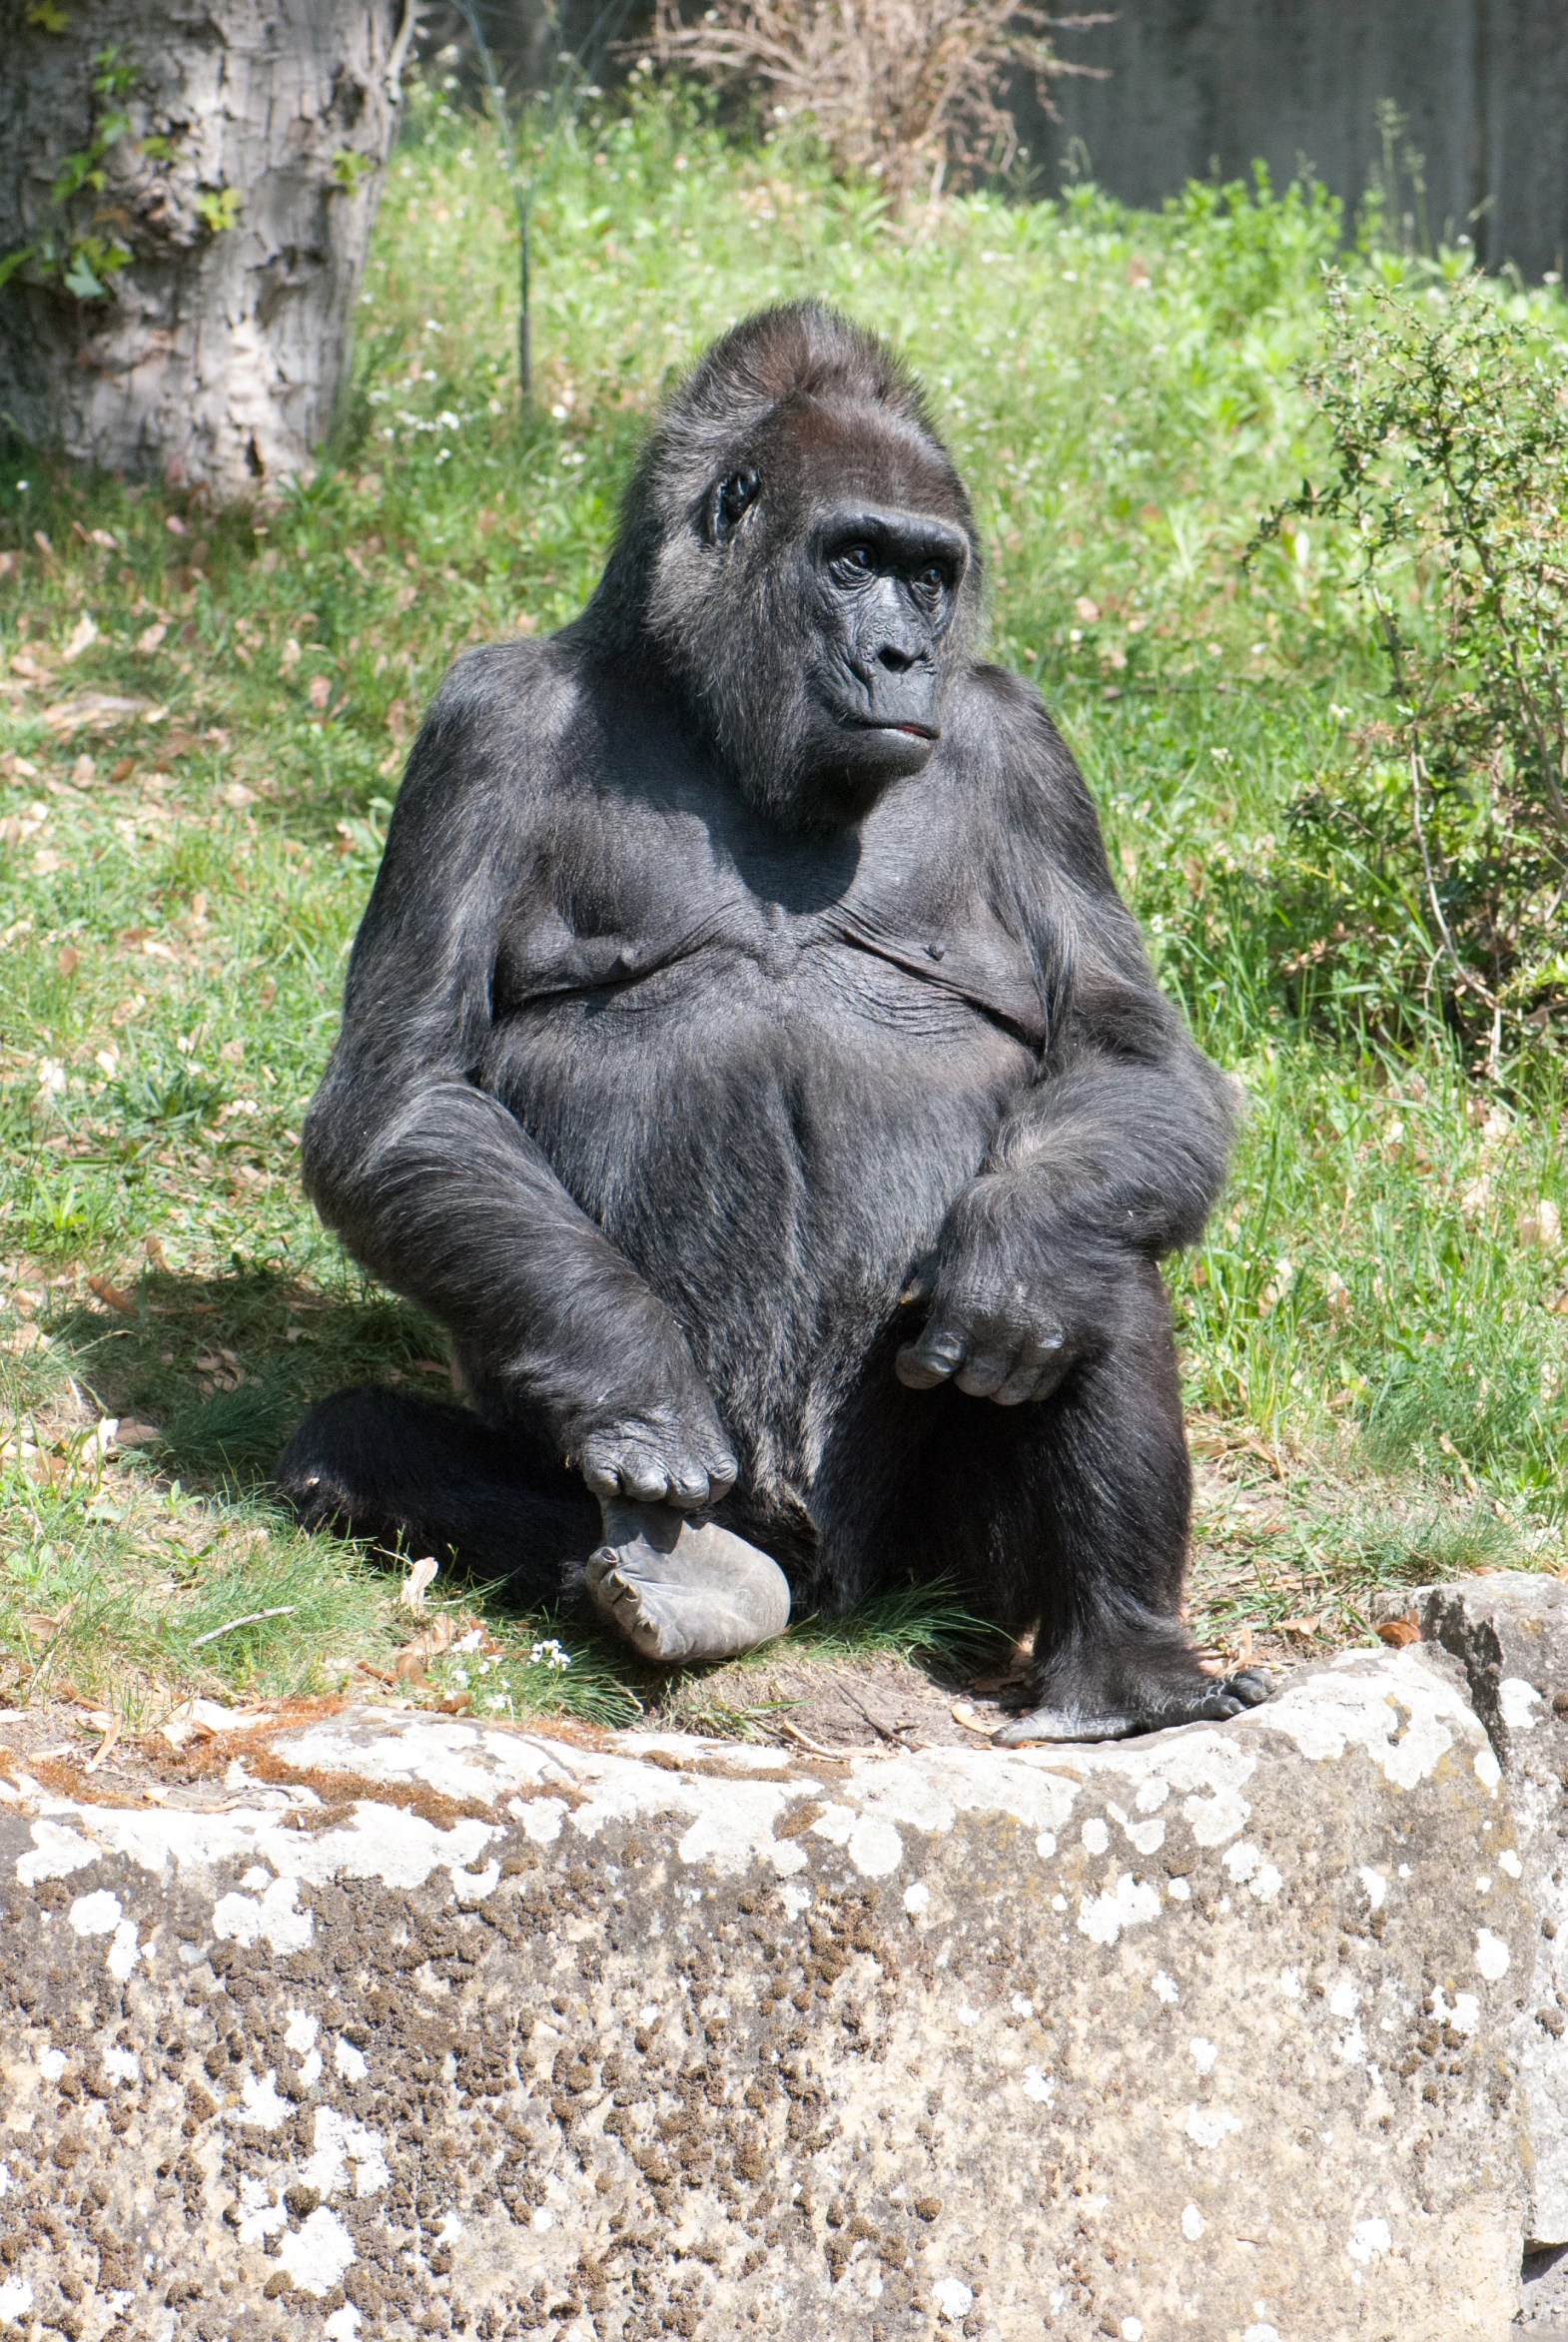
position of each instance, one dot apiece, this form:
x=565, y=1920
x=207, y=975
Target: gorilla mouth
x=912, y=731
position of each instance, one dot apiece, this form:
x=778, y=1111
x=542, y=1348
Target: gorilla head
x=798, y=551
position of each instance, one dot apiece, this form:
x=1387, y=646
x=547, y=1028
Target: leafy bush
x=1437, y=869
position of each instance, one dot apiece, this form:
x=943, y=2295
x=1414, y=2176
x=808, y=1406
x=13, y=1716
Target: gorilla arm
x=428, y=1179
x=1119, y=1147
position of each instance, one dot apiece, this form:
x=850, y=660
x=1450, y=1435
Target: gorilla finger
x=1248, y=1686
x=687, y=1489
x=984, y=1374
x=1020, y=1385
x=1212, y=1708
x=723, y=1472
x=644, y=1478
x=919, y=1368
x=600, y=1470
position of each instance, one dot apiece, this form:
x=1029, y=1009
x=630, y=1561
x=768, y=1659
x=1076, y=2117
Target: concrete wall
x=1199, y=85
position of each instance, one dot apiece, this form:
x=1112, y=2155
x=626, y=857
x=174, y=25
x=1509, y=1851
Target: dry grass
x=903, y=92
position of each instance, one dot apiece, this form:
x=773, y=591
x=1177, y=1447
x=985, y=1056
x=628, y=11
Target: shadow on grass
x=225, y=1367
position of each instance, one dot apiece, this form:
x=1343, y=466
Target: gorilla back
x=747, y=1057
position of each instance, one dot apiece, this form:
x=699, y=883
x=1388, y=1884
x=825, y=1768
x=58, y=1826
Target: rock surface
x=1509, y=1630
x=437, y=2028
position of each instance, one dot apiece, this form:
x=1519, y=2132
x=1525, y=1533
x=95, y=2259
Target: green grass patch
x=1380, y=1306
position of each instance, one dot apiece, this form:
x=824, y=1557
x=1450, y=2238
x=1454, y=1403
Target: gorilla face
x=843, y=605
x=876, y=588
x=884, y=588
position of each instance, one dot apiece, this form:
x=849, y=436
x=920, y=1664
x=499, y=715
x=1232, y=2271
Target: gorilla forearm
x=1102, y=1165
x=451, y=1204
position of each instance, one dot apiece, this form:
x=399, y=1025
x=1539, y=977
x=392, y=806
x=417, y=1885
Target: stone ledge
x=448, y=2028
x=1508, y=1629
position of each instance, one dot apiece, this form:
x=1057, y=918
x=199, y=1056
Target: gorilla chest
x=735, y=1049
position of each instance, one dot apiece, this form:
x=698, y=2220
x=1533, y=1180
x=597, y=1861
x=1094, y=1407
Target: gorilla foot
x=680, y=1593
x=1204, y=1699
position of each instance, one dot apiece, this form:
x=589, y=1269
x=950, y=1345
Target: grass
x=1377, y=1358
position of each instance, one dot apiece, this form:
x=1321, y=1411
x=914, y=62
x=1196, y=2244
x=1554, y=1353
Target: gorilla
x=747, y=1057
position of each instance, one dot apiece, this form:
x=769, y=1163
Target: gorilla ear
x=729, y=503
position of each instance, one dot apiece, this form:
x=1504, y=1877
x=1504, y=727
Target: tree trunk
x=184, y=312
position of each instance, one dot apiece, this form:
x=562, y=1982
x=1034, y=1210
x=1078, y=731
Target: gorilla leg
x=1071, y=1515
x=408, y=1472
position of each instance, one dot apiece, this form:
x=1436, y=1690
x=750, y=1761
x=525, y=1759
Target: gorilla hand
x=1009, y=1313
x=672, y=1452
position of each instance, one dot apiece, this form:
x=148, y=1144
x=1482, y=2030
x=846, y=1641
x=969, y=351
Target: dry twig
x=899, y=91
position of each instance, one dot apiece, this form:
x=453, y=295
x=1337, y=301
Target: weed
x=1443, y=869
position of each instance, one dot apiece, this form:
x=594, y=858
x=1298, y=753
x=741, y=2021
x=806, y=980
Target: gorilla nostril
x=897, y=662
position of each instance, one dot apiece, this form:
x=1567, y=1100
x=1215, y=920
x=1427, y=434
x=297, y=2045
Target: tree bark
x=226, y=238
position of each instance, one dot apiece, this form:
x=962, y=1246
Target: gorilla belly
x=774, y=1157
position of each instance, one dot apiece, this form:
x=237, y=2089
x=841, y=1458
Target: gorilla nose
x=901, y=687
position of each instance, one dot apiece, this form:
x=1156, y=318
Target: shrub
x=1439, y=863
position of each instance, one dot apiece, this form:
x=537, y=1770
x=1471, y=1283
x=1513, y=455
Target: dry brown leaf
x=112, y=1296
x=961, y=1713
x=1398, y=1632
x=205, y=1719
x=98, y=710
x=421, y=1576
x=41, y=1626
x=1302, y=1629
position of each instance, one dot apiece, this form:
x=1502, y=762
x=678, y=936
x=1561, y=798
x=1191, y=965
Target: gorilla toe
x=1178, y=1692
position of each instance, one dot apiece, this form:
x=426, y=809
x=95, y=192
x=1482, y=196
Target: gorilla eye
x=733, y=500
x=854, y=563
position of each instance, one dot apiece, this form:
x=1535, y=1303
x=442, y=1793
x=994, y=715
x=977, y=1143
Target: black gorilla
x=746, y=1056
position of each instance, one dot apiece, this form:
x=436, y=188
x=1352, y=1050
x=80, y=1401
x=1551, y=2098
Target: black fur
x=755, y=1083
